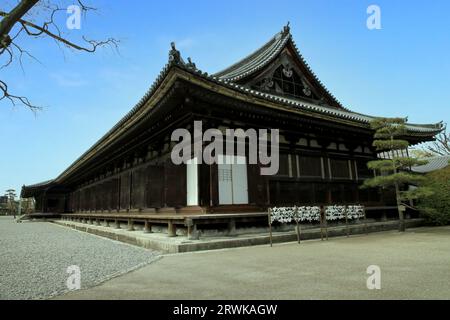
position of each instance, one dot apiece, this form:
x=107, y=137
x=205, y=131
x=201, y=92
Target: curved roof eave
x=427, y=129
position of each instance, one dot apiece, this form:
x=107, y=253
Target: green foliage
x=380, y=123
x=394, y=171
x=401, y=178
x=436, y=208
x=417, y=193
x=388, y=145
x=397, y=162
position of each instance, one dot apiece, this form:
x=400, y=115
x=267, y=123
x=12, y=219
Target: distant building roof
x=433, y=164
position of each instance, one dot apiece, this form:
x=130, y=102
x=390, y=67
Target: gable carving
x=283, y=77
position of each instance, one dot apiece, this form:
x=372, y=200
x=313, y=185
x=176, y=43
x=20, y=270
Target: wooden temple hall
x=324, y=148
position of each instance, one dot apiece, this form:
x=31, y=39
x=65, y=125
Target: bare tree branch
x=14, y=99
x=9, y=20
x=57, y=36
x=10, y=58
x=441, y=146
x=22, y=17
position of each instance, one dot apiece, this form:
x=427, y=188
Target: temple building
x=324, y=146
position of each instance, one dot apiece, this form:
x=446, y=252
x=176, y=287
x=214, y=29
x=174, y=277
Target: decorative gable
x=279, y=68
x=283, y=77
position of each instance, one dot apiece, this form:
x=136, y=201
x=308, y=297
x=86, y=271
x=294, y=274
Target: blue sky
x=401, y=70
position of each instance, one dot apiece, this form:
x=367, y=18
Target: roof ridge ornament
x=174, y=54
x=191, y=64
x=286, y=29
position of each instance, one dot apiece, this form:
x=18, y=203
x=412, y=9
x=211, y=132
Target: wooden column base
x=130, y=225
x=147, y=227
x=171, y=229
x=192, y=232
x=232, y=227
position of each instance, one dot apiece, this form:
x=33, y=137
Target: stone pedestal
x=193, y=234
x=232, y=227
x=147, y=227
x=130, y=225
x=171, y=229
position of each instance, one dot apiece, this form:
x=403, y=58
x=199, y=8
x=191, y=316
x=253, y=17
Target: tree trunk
x=401, y=218
x=8, y=22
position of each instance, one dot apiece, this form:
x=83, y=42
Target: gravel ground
x=34, y=257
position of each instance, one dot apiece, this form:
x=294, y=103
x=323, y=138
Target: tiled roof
x=41, y=184
x=242, y=67
x=433, y=164
x=257, y=60
x=264, y=56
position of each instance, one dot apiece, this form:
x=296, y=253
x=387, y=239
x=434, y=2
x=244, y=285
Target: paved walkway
x=414, y=265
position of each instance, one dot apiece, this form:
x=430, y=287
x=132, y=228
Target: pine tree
x=395, y=170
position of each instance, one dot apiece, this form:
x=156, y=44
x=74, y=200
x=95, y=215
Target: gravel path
x=34, y=257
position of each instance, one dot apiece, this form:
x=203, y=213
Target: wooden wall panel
x=340, y=169
x=125, y=181
x=310, y=166
x=154, y=186
x=204, y=185
x=283, y=169
x=320, y=193
x=138, y=189
x=91, y=199
x=363, y=171
x=115, y=194
x=175, y=184
x=257, y=188
x=99, y=196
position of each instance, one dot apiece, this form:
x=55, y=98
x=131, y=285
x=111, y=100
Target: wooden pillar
x=346, y=221
x=210, y=186
x=365, y=221
x=117, y=223
x=106, y=223
x=269, y=216
x=323, y=223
